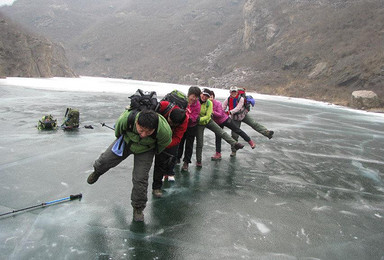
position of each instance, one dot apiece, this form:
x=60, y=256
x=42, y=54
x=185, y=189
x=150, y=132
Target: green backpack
x=47, y=122
x=71, y=119
x=178, y=98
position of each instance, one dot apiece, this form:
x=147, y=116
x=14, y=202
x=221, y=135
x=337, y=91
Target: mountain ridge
x=322, y=50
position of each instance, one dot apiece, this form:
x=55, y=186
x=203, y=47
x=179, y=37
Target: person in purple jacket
x=222, y=119
x=190, y=134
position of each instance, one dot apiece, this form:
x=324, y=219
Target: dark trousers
x=235, y=129
x=214, y=128
x=164, y=163
x=252, y=123
x=142, y=163
x=188, y=139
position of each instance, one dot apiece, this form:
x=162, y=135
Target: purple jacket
x=218, y=115
x=194, y=113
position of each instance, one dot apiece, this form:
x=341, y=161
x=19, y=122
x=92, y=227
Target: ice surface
x=314, y=191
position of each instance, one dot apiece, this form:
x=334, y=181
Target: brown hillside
x=25, y=55
x=318, y=49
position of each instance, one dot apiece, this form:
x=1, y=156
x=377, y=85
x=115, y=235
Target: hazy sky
x=6, y=2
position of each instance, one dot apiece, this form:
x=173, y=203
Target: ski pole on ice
x=103, y=124
x=71, y=197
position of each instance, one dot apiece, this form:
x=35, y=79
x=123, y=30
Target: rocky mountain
x=23, y=54
x=151, y=40
x=318, y=49
x=322, y=49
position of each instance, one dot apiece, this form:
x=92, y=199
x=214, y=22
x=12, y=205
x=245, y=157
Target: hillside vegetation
x=318, y=49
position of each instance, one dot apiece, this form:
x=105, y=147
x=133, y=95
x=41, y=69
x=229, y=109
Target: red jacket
x=178, y=131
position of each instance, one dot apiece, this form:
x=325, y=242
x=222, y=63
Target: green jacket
x=206, y=112
x=140, y=145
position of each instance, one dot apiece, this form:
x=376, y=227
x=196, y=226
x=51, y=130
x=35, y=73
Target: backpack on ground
x=71, y=119
x=178, y=98
x=141, y=100
x=248, y=99
x=47, y=122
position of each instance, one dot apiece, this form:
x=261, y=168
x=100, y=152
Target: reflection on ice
x=314, y=191
x=366, y=172
x=261, y=226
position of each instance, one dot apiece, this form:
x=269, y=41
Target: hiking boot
x=157, y=193
x=233, y=154
x=216, y=157
x=138, y=215
x=171, y=178
x=269, y=134
x=93, y=177
x=199, y=164
x=252, y=144
x=238, y=146
x=185, y=167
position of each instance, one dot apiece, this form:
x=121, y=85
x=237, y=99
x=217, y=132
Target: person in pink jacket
x=190, y=135
x=222, y=119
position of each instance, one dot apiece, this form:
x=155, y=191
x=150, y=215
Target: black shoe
x=158, y=193
x=238, y=146
x=269, y=134
x=138, y=215
x=93, y=177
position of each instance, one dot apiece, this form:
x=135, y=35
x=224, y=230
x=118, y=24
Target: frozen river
x=314, y=191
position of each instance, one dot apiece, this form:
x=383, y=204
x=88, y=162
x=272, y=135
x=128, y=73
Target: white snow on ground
x=112, y=85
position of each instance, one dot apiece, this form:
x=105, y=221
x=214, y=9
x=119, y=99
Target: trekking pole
x=103, y=124
x=71, y=197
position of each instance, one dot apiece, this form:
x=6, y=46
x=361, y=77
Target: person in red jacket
x=239, y=113
x=164, y=162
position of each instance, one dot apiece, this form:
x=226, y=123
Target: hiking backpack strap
x=167, y=109
x=131, y=119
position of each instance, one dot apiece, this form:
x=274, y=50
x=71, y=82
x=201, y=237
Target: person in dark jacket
x=150, y=134
x=165, y=161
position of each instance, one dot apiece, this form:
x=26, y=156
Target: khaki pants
x=141, y=165
x=200, y=137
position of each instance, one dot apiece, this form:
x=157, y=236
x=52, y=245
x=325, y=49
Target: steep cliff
x=26, y=55
x=322, y=49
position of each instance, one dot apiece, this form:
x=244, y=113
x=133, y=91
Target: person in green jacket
x=205, y=120
x=149, y=134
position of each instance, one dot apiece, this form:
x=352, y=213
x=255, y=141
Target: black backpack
x=141, y=100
